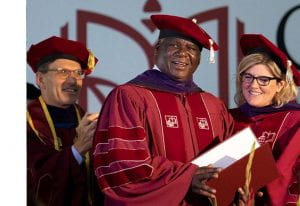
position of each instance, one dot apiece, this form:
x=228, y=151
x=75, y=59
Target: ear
x=280, y=85
x=39, y=79
x=157, y=45
x=199, y=58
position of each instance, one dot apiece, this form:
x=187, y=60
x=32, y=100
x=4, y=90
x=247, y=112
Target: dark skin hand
x=203, y=174
x=243, y=197
x=200, y=177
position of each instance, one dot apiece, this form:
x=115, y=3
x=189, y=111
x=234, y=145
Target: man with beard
x=59, y=134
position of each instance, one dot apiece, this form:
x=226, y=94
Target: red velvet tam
x=257, y=43
x=174, y=26
x=54, y=48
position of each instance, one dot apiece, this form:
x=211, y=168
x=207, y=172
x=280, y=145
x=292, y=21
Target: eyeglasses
x=65, y=73
x=261, y=80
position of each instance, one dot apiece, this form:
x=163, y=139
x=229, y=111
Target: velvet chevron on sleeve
x=146, y=138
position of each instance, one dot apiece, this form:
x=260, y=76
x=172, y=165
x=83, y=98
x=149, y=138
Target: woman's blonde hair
x=287, y=93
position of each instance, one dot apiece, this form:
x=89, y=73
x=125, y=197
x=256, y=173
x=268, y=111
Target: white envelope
x=229, y=151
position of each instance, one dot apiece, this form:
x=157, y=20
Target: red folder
x=231, y=178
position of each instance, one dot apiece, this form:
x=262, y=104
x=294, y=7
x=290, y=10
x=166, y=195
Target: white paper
x=229, y=151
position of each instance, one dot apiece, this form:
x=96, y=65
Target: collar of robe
x=56, y=141
x=251, y=111
x=158, y=80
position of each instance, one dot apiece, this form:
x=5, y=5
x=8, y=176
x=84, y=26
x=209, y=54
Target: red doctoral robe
x=281, y=130
x=146, y=138
x=54, y=176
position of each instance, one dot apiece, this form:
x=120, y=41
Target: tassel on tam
x=211, y=52
x=91, y=62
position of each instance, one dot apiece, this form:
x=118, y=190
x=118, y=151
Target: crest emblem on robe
x=267, y=137
x=202, y=123
x=171, y=121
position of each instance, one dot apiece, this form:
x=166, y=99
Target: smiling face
x=260, y=96
x=178, y=58
x=57, y=91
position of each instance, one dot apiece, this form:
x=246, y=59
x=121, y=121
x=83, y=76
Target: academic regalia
x=54, y=175
x=280, y=128
x=149, y=130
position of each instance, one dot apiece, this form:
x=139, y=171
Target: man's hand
x=244, y=199
x=201, y=175
x=85, y=132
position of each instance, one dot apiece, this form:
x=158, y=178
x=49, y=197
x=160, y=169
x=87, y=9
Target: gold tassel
x=248, y=173
x=211, y=52
x=91, y=61
x=298, y=202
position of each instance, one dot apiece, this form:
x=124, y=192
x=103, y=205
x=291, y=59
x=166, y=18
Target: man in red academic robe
x=153, y=126
x=59, y=135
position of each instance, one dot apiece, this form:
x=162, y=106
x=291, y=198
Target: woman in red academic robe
x=266, y=93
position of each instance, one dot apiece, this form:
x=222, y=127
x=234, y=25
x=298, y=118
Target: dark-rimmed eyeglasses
x=261, y=80
x=65, y=73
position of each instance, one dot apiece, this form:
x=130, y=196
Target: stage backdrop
x=122, y=37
